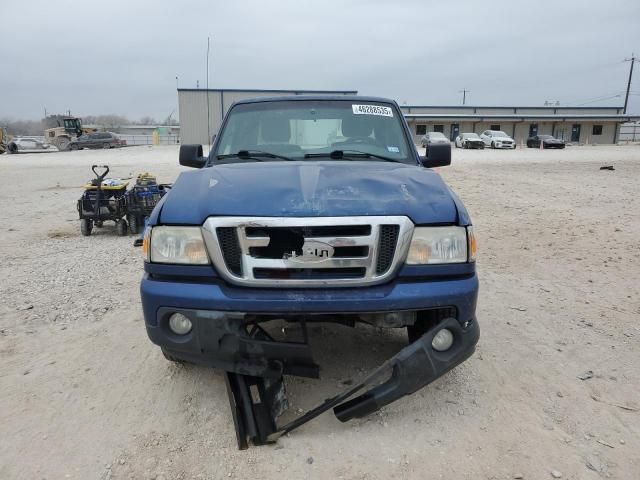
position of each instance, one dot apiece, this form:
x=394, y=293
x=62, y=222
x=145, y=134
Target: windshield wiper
x=252, y=154
x=341, y=154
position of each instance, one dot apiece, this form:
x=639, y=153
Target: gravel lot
x=84, y=394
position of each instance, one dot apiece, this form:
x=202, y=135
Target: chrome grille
x=313, y=251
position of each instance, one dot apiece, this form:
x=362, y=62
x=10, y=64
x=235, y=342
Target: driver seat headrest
x=355, y=126
x=275, y=129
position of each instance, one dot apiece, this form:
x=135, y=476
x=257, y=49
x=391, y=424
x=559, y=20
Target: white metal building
x=192, y=108
x=573, y=124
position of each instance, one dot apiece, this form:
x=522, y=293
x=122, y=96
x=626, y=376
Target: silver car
x=21, y=144
x=434, y=137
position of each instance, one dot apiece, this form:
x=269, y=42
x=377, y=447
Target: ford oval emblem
x=312, y=251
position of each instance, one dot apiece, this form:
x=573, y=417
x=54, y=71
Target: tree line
x=37, y=127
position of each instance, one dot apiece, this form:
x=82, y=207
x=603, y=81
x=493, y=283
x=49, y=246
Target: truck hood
x=309, y=189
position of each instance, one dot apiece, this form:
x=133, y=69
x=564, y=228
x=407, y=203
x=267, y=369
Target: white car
x=24, y=144
x=497, y=139
x=469, y=140
x=433, y=137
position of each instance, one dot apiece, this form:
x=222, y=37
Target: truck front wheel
x=173, y=359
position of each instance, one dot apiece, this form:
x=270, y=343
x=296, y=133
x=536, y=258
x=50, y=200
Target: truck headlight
x=432, y=245
x=183, y=245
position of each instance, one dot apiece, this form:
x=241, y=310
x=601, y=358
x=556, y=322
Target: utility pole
x=464, y=95
x=632, y=60
x=208, y=114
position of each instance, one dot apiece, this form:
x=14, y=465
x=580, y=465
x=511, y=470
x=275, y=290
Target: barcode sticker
x=372, y=110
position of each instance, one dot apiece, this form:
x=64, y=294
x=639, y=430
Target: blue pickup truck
x=310, y=209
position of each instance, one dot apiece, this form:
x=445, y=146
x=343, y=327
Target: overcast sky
x=122, y=57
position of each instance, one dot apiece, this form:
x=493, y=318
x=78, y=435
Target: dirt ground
x=85, y=395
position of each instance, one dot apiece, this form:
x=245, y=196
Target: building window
x=438, y=128
x=597, y=130
x=494, y=127
x=421, y=129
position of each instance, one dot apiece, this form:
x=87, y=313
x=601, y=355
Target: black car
x=548, y=141
x=96, y=140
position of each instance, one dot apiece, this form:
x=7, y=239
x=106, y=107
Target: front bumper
x=219, y=314
x=219, y=337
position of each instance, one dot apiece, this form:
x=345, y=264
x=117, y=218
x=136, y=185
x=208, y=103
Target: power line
x=599, y=99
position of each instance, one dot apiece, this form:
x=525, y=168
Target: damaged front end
x=255, y=363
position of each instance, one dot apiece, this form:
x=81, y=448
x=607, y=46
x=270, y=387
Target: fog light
x=179, y=324
x=442, y=340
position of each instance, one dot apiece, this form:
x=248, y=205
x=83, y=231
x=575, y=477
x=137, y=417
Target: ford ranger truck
x=310, y=209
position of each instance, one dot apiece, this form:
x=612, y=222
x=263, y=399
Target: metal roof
x=520, y=117
x=300, y=98
x=540, y=107
x=262, y=90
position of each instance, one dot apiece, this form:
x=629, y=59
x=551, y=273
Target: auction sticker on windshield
x=372, y=110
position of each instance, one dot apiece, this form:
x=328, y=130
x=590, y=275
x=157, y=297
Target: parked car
x=469, y=140
x=356, y=229
x=18, y=145
x=548, y=141
x=497, y=139
x=96, y=140
x=434, y=137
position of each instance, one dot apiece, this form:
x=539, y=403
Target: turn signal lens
x=146, y=240
x=473, y=244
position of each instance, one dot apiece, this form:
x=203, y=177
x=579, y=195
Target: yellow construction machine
x=68, y=129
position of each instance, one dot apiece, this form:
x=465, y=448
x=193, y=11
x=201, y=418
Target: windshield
x=293, y=129
x=545, y=137
x=436, y=135
x=498, y=133
x=470, y=135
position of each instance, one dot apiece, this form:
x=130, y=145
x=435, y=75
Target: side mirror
x=191, y=156
x=438, y=155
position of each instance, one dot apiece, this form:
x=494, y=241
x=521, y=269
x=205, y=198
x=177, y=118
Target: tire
x=133, y=224
x=61, y=143
x=121, y=227
x=73, y=146
x=493, y=145
x=106, y=146
x=86, y=226
x=171, y=358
